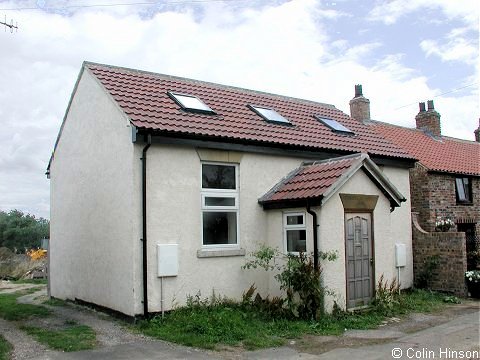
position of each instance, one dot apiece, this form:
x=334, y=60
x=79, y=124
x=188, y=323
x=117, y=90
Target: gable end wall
x=95, y=212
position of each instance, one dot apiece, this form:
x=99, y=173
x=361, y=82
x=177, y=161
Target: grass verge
x=233, y=324
x=30, y=281
x=5, y=348
x=72, y=338
x=13, y=311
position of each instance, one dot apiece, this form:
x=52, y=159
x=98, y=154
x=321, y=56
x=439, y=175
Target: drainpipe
x=144, y=224
x=315, y=235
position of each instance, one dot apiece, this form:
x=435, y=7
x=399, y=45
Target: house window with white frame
x=219, y=204
x=295, y=232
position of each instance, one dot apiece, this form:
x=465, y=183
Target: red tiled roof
x=443, y=154
x=143, y=97
x=309, y=181
x=318, y=181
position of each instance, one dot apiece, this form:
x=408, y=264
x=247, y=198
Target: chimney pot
x=358, y=90
x=430, y=105
x=421, y=106
x=477, y=132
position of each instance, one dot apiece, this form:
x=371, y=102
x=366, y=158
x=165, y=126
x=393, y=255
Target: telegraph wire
x=445, y=93
x=7, y=25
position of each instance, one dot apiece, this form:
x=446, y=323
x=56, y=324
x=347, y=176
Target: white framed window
x=219, y=196
x=295, y=232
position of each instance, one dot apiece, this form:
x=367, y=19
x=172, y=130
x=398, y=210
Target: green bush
x=297, y=277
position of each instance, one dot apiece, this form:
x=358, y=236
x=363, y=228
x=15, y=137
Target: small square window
x=294, y=219
x=296, y=240
x=269, y=114
x=295, y=232
x=190, y=102
x=463, y=190
x=334, y=125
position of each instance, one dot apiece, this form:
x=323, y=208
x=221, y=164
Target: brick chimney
x=428, y=120
x=477, y=132
x=359, y=105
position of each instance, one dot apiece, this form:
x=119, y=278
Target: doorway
x=359, y=259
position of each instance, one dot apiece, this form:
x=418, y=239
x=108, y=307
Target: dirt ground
x=112, y=333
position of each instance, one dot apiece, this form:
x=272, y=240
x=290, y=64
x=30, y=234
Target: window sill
x=203, y=253
x=464, y=203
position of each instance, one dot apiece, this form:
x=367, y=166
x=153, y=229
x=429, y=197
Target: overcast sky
x=401, y=51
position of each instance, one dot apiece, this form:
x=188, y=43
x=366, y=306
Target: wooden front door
x=359, y=259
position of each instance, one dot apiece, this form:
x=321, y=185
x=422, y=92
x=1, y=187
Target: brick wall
x=449, y=248
x=433, y=194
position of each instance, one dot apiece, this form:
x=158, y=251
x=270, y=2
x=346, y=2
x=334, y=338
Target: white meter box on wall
x=400, y=255
x=167, y=260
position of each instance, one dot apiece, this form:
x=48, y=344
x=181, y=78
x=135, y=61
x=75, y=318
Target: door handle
x=372, y=261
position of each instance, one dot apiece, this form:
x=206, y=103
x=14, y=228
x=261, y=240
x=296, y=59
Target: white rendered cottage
x=160, y=185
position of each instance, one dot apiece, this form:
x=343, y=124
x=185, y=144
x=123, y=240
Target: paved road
x=438, y=342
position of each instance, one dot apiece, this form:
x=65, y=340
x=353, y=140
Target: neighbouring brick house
x=446, y=181
x=445, y=184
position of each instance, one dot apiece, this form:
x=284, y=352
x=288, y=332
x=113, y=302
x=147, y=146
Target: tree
x=22, y=231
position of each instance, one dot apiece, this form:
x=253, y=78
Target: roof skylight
x=334, y=125
x=269, y=114
x=190, y=102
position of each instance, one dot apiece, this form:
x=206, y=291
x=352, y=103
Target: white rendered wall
x=174, y=216
x=401, y=220
x=389, y=229
x=95, y=205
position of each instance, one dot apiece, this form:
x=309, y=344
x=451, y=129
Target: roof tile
x=143, y=97
x=310, y=181
x=443, y=154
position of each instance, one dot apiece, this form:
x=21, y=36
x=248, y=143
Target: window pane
x=460, y=189
x=219, y=201
x=296, y=240
x=334, y=125
x=218, y=177
x=271, y=115
x=219, y=228
x=466, y=189
x=191, y=102
x=294, y=220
